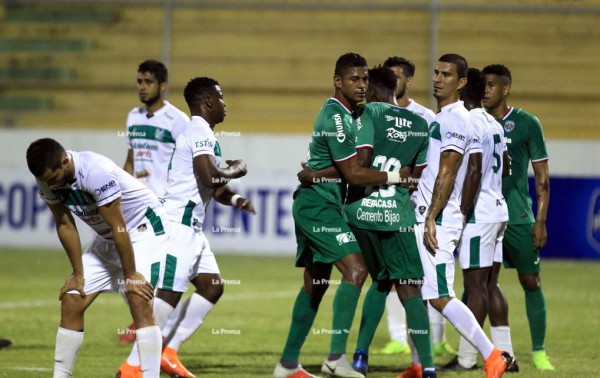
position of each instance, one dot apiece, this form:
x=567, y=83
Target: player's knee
x=357, y=275
x=531, y=282
x=72, y=304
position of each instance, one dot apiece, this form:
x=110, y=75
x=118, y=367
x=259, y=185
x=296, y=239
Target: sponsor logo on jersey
x=105, y=187
x=458, y=136
x=206, y=143
x=509, y=126
x=339, y=128
x=399, y=121
x=358, y=124
x=396, y=135
x=159, y=134
x=593, y=222
x=345, y=237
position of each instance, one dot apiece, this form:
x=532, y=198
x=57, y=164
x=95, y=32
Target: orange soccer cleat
x=497, y=363
x=413, y=371
x=129, y=371
x=170, y=364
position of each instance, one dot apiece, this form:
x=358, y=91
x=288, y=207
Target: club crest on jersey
x=593, y=221
x=422, y=210
x=509, y=126
x=159, y=134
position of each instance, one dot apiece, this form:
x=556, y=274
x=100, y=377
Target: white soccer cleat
x=340, y=369
x=281, y=372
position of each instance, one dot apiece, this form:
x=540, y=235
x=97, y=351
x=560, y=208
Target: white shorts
x=499, y=238
x=102, y=269
x=479, y=244
x=438, y=269
x=189, y=256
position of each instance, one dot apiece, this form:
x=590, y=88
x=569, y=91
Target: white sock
x=149, y=343
x=467, y=353
x=413, y=352
x=396, y=317
x=161, y=310
x=191, y=317
x=438, y=325
x=465, y=323
x=172, y=320
x=501, y=339
x=68, y=343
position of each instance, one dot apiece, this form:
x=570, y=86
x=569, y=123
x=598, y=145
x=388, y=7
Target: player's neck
x=500, y=111
x=392, y=101
x=455, y=97
x=155, y=106
x=404, y=101
x=344, y=102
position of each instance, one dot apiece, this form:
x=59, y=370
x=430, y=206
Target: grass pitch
x=245, y=333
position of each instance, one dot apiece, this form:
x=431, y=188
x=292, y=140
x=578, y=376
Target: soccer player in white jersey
x=486, y=217
x=127, y=251
x=153, y=128
x=151, y=132
x=439, y=216
x=396, y=317
x=194, y=178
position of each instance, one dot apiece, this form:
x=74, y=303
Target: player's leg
x=438, y=289
x=498, y=305
x=476, y=253
x=396, y=322
x=402, y=260
x=375, y=299
x=518, y=245
x=98, y=276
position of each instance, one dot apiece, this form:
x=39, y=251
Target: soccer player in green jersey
x=389, y=137
x=324, y=239
x=525, y=234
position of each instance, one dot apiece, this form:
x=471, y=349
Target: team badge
x=509, y=126
x=422, y=210
x=593, y=221
x=159, y=134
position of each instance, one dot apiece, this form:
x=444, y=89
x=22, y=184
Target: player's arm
x=505, y=164
x=128, y=166
x=472, y=183
x=209, y=175
x=225, y=196
x=135, y=283
x=361, y=176
x=542, y=189
x=444, y=183
x=69, y=238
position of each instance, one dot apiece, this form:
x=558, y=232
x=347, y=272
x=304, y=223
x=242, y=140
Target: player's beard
x=401, y=94
x=151, y=101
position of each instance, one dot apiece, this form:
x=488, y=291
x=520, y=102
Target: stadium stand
x=276, y=63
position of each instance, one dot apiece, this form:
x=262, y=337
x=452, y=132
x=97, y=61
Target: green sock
x=344, y=307
x=372, y=311
x=535, y=304
x=417, y=323
x=303, y=316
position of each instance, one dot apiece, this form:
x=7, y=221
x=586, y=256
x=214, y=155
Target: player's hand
x=305, y=176
x=73, y=282
x=540, y=236
x=245, y=204
x=137, y=284
x=239, y=165
x=430, y=238
x=406, y=180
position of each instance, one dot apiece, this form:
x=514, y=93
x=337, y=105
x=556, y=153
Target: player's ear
x=461, y=83
x=409, y=82
x=337, y=81
x=163, y=87
x=506, y=90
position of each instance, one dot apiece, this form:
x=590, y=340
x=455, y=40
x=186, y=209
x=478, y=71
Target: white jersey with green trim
x=450, y=131
x=99, y=181
x=490, y=206
x=421, y=110
x=184, y=200
x=152, y=138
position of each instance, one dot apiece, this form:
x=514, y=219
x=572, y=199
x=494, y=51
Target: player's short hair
x=475, y=87
x=383, y=77
x=197, y=88
x=498, y=70
x=461, y=63
x=349, y=60
x=44, y=153
x=407, y=66
x=155, y=67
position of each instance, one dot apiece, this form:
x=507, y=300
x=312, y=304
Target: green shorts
x=321, y=232
x=391, y=254
x=518, y=250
